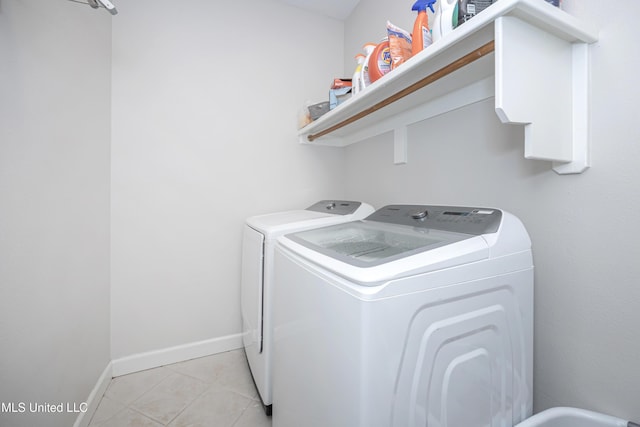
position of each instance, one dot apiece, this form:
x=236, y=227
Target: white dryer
x=259, y=239
x=415, y=316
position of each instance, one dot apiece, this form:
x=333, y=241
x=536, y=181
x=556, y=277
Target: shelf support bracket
x=542, y=82
x=581, y=113
x=400, y=156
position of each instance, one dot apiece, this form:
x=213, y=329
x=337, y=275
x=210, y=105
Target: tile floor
x=212, y=391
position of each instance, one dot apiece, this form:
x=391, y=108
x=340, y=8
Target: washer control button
x=420, y=214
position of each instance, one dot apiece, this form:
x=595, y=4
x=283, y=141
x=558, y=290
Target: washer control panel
x=467, y=220
x=336, y=207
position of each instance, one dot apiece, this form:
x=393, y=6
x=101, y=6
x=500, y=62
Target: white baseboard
x=94, y=397
x=179, y=353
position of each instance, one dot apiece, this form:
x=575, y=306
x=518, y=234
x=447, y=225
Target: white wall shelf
x=530, y=56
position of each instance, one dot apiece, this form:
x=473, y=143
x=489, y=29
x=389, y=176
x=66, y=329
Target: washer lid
x=288, y=221
x=369, y=243
x=321, y=214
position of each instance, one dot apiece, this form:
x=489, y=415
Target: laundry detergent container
x=572, y=417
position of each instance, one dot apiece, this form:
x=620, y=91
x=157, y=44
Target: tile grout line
x=243, y=410
x=192, y=400
x=115, y=414
x=127, y=404
x=151, y=389
x=146, y=416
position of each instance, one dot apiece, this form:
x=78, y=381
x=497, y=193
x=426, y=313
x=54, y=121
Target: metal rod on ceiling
x=110, y=7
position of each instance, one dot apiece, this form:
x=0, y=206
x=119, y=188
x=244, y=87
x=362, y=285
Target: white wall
x=583, y=227
x=54, y=205
x=205, y=100
x=200, y=142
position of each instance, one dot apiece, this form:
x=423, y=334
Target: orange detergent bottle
x=421, y=36
x=380, y=61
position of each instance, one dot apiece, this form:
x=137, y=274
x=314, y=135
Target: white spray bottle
x=446, y=18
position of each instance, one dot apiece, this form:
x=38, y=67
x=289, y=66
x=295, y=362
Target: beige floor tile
x=106, y=409
x=219, y=408
x=167, y=399
x=212, y=391
x=127, y=388
x=225, y=370
x=130, y=418
x=253, y=416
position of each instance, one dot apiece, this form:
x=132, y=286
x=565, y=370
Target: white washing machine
x=259, y=239
x=415, y=316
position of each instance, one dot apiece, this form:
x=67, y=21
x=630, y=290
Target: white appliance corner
x=180, y=353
